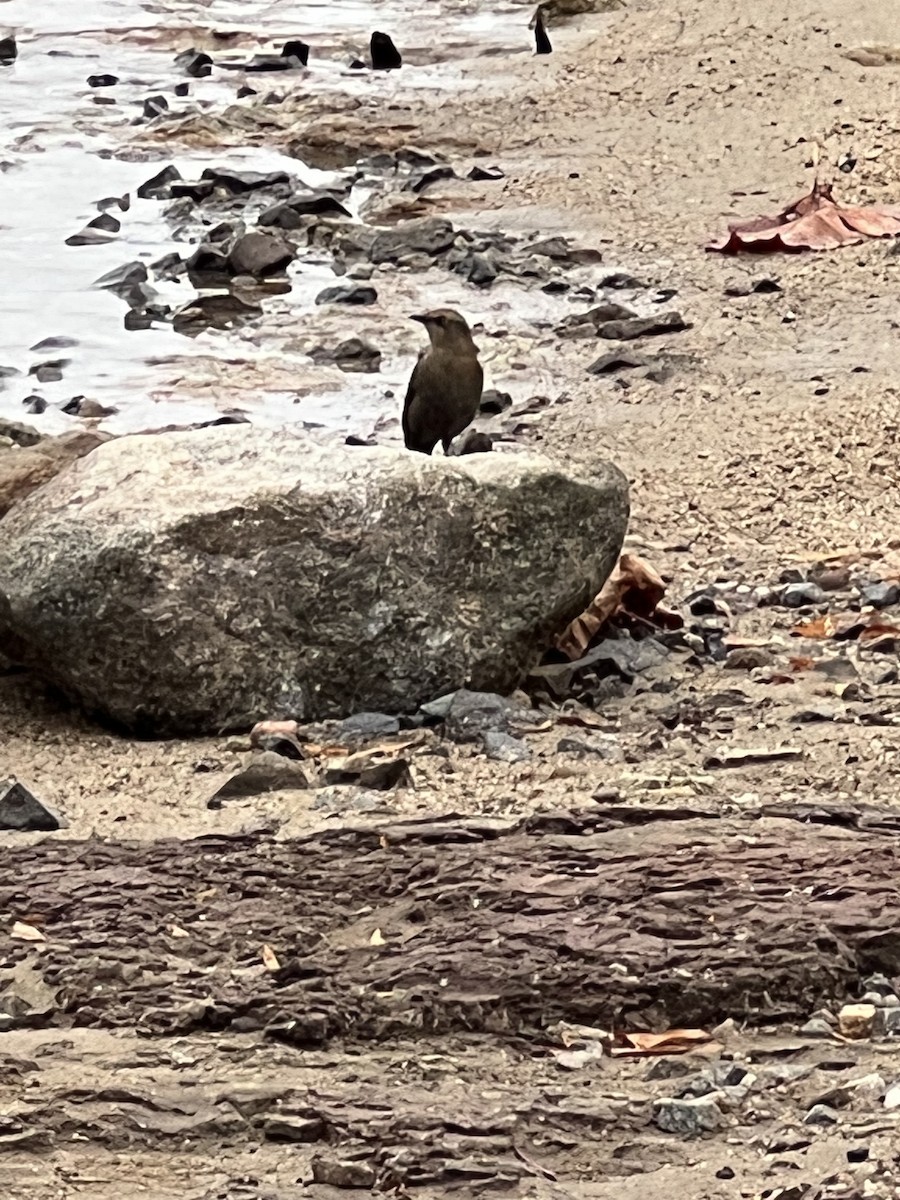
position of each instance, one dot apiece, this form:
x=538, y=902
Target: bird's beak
x=420, y=317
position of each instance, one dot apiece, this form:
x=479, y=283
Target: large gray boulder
x=195, y=582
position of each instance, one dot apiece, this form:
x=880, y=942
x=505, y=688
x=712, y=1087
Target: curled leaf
x=814, y=222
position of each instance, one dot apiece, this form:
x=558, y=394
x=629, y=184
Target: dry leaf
x=673, y=1041
x=818, y=627
x=26, y=933
x=876, y=630
x=376, y=939
x=814, y=222
x=633, y=590
x=270, y=959
x=800, y=662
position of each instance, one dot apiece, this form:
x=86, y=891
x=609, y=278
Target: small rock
x=384, y=54
x=155, y=106
x=8, y=49
x=182, y=89
x=486, y=174
x=21, y=810
x=856, y=1020
x=55, y=343
x=195, y=63
x=471, y=715
x=296, y=49
x=880, y=595
x=35, y=404
x=430, y=236
x=617, y=360
x=473, y=441
x=747, y=658
x=494, y=402
x=369, y=725
x=354, y=354
x=602, y=314
x=102, y=81
x=93, y=409
x=289, y=214
x=287, y=1128
x=620, y=281
x=821, y=1114
x=347, y=294
x=157, y=186
x=689, y=1118
x=831, y=579
x=19, y=433
x=89, y=237
x=725, y=1173
x=477, y=269
x=501, y=747
x=105, y=222
x=267, y=772
x=892, y=1096
x=816, y=1027
x=435, y=175
x=260, y=255
x=636, y=327
x=343, y=1173
x=886, y=1022
x=797, y=595
x=122, y=280
x=599, y=744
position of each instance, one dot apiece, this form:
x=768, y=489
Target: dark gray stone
x=796, y=595
x=195, y=63
x=9, y=51
x=347, y=294
x=430, y=236
x=880, y=595
x=369, y=725
x=383, y=53
x=157, y=186
x=472, y=715
x=637, y=327
x=21, y=810
x=501, y=747
x=690, y=1118
x=354, y=354
x=260, y=255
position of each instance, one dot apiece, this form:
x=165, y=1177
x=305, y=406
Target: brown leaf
x=801, y=662
x=673, y=1041
x=633, y=590
x=270, y=959
x=814, y=222
x=818, y=627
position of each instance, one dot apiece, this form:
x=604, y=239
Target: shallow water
x=59, y=147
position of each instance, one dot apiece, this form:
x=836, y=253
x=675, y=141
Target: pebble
x=501, y=747
x=796, y=595
x=880, y=595
x=821, y=1114
x=8, y=49
x=690, y=1118
x=816, y=1027
x=748, y=658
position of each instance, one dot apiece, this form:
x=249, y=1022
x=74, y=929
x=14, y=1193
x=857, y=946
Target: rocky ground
x=307, y=989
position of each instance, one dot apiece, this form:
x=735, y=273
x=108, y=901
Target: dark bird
x=541, y=38
x=445, y=387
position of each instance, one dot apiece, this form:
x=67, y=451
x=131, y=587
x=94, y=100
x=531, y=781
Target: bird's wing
x=411, y=395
